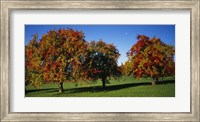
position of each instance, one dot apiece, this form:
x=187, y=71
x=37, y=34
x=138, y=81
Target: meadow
x=124, y=87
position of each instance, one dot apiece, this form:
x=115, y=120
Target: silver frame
x=192, y=5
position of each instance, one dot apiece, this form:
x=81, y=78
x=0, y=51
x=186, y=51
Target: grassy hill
x=125, y=87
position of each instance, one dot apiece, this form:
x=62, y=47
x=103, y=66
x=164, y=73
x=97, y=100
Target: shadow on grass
x=99, y=88
x=42, y=90
x=114, y=87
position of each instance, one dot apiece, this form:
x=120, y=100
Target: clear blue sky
x=122, y=36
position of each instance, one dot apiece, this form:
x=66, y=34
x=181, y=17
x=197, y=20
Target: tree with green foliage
x=101, y=61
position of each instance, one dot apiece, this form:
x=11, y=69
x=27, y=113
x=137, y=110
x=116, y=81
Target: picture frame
x=8, y=6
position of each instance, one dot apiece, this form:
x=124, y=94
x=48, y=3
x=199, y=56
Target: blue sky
x=122, y=36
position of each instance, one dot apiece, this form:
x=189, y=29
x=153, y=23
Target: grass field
x=125, y=87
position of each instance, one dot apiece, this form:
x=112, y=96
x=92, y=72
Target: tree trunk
x=154, y=81
x=60, y=85
x=25, y=90
x=104, y=83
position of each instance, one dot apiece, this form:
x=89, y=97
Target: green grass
x=125, y=87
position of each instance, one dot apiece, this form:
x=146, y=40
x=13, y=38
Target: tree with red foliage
x=56, y=57
x=151, y=57
x=33, y=73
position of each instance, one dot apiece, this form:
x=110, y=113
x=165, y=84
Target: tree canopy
x=64, y=55
x=101, y=61
x=150, y=57
x=56, y=57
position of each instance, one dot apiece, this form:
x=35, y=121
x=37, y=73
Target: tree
x=32, y=63
x=101, y=61
x=151, y=57
x=127, y=68
x=57, y=56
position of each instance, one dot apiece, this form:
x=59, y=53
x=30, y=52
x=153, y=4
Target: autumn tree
x=101, y=61
x=56, y=57
x=150, y=57
x=33, y=74
x=127, y=68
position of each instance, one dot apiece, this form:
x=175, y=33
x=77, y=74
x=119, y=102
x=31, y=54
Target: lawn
x=125, y=87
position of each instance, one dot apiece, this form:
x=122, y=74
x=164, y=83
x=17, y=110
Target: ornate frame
x=192, y=5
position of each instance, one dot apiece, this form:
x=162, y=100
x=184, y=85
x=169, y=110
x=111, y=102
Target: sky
x=122, y=36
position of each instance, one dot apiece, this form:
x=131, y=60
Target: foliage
x=151, y=57
x=127, y=68
x=64, y=55
x=33, y=74
x=57, y=56
x=62, y=51
x=101, y=61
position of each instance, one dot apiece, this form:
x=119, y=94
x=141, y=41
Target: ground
x=125, y=87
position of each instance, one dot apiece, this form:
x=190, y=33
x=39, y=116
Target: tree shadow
x=114, y=87
x=42, y=90
x=99, y=88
